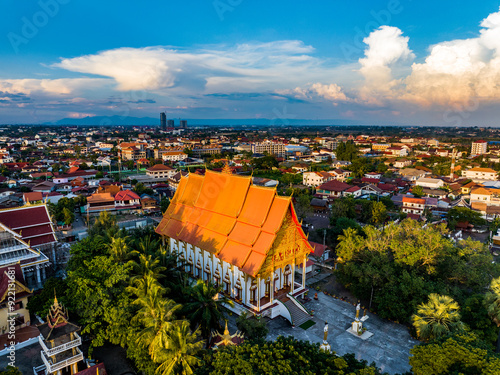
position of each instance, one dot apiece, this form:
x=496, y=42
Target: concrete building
x=431, y=183
x=163, y=121
x=173, y=155
x=270, y=147
x=481, y=174
x=479, y=148
x=160, y=172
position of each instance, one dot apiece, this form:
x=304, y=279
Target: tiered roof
x=31, y=222
x=14, y=250
x=228, y=216
x=57, y=324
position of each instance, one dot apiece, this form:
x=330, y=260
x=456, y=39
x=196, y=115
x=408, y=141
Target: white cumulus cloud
x=459, y=71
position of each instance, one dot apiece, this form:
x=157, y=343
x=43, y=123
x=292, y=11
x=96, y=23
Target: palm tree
x=141, y=286
x=203, y=308
x=436, y=318
x=349, y=243
x=147, y=245
x=492, y=302
x=156, y=314
x=147, y=266
x=176, y=351
x=118, y=249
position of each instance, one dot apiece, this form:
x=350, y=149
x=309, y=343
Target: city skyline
x=395, y=62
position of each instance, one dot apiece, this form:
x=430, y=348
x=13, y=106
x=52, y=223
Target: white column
x=292, y=287
x=271, y=287
x=38, y=274
x=304, y=271
x=258, y=293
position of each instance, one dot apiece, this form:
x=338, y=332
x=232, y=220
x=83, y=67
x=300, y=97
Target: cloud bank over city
x=388, y=83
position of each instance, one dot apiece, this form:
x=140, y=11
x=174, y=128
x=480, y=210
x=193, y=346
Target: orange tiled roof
x=101, y=197
x=229, y=217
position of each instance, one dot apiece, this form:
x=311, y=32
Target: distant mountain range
x=120, y=120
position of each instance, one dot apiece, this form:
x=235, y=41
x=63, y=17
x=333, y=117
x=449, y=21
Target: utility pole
x=324, y=243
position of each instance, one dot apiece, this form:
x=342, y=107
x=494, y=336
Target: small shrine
x=217, y=339
x=60, y=343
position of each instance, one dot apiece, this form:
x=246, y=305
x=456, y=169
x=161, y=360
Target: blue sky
x=382, y=62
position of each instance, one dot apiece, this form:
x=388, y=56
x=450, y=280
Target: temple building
x=12, y=280
x=27, y=237
x=242, y=236
x=60, y=344
x=13, y=250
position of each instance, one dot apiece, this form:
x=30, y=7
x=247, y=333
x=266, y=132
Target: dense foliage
x=462, y=353
x=396, y=268
x=283, y=356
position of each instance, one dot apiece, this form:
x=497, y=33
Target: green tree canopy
x=462, y=353
x=437, y=318
x=285, y=356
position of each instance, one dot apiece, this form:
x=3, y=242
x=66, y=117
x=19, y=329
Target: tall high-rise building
x=163, y=121
x=479, y=148
x=170, y=123
x=183, y=124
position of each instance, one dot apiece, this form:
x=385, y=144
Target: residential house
x=149, y=204
x=353, y=191
x=402, y=163
x=315, y=178
x=397, y=151
x=371, y=189
x=481, y=174
x=44, y=187
x=341, y=164
x=100, y=202
x=160, y=172
x=466, y=189
x=127, y=199
x=431, y=183
x=413, y=206
x=33, y=197
x=340, y=174
x=332, y=189
x=412, y=174
x=173, y=155
x=491, y=197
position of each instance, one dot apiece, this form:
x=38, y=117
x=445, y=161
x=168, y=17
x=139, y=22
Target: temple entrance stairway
x=299, y=316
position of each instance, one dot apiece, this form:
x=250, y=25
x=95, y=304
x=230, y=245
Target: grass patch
x=307, y=324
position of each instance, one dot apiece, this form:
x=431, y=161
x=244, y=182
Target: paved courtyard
x=389, y=347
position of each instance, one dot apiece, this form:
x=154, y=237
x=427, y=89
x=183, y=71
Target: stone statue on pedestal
x=325, y=346
x=357, y=326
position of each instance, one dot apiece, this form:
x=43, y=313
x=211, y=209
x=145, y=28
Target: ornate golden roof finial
x=227, y=169
x=56, y=303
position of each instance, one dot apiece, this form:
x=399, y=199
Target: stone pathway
x=389, y=347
